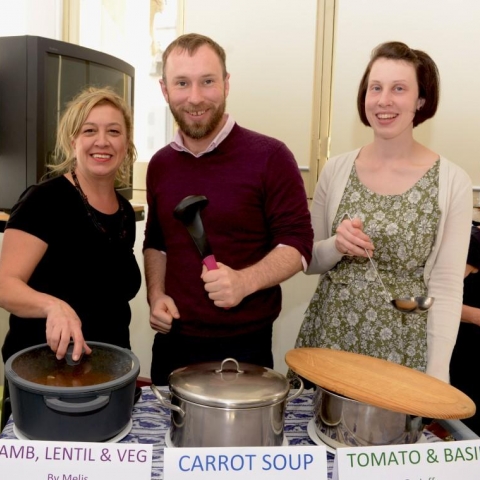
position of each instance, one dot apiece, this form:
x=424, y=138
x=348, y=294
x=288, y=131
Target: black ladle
x=188, y=212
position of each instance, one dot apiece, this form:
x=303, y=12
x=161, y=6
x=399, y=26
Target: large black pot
x=89, y=402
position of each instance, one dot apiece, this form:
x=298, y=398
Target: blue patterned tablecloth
x=151, y=422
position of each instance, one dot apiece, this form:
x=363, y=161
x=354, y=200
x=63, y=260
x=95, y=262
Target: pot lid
x=380, y=383
x=39, y=365
x=229, y=384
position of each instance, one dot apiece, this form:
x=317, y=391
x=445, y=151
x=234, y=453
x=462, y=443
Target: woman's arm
x=329, y=249
x=445, y=283
x=325, y=254
x=470, y=315
x=21, y=253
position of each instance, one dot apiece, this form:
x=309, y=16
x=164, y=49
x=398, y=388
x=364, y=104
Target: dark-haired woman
x=410, y=208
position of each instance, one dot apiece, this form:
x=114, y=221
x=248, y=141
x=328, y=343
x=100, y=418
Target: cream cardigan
x=445, y=267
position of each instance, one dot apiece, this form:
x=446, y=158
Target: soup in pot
x=42, y=367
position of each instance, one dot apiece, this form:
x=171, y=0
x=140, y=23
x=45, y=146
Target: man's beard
x=197, y=130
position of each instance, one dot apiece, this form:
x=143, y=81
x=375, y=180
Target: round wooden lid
x=380, y=383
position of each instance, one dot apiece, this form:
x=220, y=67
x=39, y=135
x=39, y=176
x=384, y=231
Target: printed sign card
x=42, y=460
x=259, y=463
x=424, y=461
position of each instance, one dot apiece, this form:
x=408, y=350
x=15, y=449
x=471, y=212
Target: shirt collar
x=177, y=142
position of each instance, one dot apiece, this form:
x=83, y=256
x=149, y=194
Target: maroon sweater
x=257, y=201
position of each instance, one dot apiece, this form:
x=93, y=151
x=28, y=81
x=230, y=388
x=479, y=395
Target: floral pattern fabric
x=349, y=309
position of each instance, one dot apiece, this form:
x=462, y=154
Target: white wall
x=449, y=32
x=122, y=29
x=31, y=17
x=270, y=47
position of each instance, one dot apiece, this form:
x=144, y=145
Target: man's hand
x=162, y=312
x=225, y=286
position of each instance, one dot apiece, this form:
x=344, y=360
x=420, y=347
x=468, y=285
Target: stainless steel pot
x=227, y=404
x=89, y=402
x=341, y=421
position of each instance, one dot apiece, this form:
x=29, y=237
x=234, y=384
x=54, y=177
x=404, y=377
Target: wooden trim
x=71, y=21
x=322, y=96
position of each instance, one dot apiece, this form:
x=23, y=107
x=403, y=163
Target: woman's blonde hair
x=75, y=116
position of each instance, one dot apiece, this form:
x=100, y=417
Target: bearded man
x=257, y=222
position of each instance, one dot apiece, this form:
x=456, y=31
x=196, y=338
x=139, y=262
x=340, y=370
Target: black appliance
x=38, y=76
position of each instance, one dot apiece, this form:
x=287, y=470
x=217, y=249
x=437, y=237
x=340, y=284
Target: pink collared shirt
x=177, y=142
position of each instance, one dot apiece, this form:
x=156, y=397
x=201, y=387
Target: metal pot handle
x=165, y=403
x=220, y=370
x=67, y=407
x=298, y=392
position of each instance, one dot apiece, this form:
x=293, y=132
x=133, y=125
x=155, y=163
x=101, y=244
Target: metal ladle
x=417, y=304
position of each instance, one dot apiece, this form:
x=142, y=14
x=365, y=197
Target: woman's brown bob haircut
x=428, y=78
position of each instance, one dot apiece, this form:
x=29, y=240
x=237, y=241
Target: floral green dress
x=349, y=310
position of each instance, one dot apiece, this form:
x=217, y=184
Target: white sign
x=425, y=461
x=255, y=463
x=42, y=460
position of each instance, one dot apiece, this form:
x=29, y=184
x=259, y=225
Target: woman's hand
x=351, y=240
x=64, y=325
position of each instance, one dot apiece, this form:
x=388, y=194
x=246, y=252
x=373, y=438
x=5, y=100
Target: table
x=151, y=422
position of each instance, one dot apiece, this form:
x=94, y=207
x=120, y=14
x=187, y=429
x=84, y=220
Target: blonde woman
x=67, y=268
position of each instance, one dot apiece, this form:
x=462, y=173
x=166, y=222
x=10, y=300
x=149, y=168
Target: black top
x=96, y=273
x=463, y=373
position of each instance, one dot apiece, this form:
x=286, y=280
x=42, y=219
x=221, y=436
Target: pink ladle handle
x=210, y=262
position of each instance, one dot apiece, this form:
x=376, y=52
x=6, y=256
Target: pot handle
x=220, y=370
x=67, y=407
x=298, y=392
x=165, y=403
